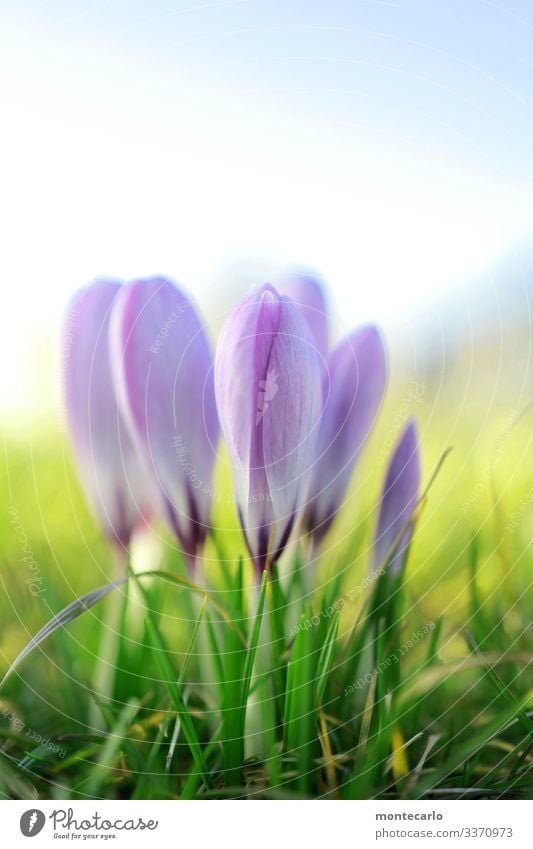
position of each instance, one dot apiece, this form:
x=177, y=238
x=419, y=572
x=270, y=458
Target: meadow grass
x=322, y=682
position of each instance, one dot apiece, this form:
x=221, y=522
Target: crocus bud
x=353, y=387
x=163, y=373
x=307, y=293
x=268, y=391
x=109, y=466
x=398, y=501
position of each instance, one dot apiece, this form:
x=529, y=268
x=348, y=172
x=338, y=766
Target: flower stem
x=106, y=663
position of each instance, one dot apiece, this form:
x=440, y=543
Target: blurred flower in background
x=390, y=153
x=107, y=459
x=162, y=363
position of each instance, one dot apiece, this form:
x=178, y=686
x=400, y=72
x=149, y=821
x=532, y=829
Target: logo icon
x=269, y=389
x=32, y=822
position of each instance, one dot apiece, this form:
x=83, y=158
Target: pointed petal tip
x=155, y=286
x=100, y=290
x=256, y=294
x=307, y=293
x=303, y=280
x=399, y=498
x=269, y=292
x=409, y=437
x=366, y=336
x=405, y=459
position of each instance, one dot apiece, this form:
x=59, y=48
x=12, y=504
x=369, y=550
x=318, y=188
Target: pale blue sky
x=388, y=145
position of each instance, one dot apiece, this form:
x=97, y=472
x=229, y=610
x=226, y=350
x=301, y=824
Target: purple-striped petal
x=354, y=385
x=163, y=372
x=291, y=423
x=398, y=501
x=109, y=465
x=267, y=382
x=307, y=292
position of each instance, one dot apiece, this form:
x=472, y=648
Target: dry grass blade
x=329, y=760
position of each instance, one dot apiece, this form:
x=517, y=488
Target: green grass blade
x=194, y=779
x=181, y=680
x=192, y=643
x=175, y=692
x=185, y=583
x=238, y=667
x=64, y=617
x=215, y=650
x=301, y=709
x=458, y=755
x=277, y=605
x=500, y=685
x=232, y=710
x=91, y=785
x=325, y=659
x=254, y=640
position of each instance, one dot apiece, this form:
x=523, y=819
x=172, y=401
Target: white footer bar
x=268, y=824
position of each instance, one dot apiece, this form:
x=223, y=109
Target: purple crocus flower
x=307, y=292
x=268, y=391
x=398, y=501
x=108, y=462
x=163, y=373
x=353, y=387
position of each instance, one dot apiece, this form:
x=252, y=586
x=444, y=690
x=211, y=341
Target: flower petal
x=307, y=292
x=163, y=371
x=241, y=367
x=291, y=420
x=398, y=501
x=354, y=385
x=109, y=465
x=267, y=379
